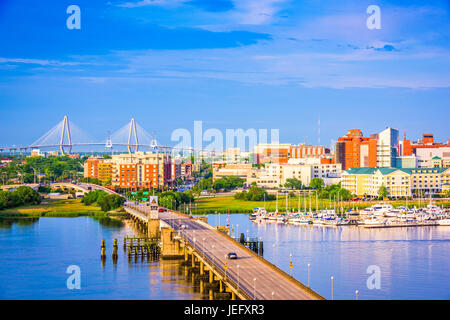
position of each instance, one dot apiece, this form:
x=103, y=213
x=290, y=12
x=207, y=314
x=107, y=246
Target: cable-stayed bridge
x=65, y=135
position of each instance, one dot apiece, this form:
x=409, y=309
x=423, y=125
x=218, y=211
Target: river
x=35, y=255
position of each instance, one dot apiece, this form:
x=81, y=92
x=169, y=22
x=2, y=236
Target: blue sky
x=230, y=63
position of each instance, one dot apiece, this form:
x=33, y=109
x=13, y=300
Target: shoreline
x=67, y=208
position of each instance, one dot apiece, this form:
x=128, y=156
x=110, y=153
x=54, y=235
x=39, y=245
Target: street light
x=356, y=293
x=332, y=295
x=238, y=275
x=204, y=247
x=290, y=263
x=309, y=266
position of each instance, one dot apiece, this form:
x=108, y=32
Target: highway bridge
x=250, y=277
x=82, y=187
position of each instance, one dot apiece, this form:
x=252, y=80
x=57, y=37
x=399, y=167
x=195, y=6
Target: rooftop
x=386, y=171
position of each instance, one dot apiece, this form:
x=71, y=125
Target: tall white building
x=387, y=146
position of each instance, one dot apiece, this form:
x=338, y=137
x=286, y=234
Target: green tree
x=383, y=192
x=27, y=195
x=316, y=183
x=93, y=197
x=110, y=202
x=293, y=183
x=228, y=183
x=254, y=194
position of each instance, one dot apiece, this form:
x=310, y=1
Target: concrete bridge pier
x=211, y=294
x=202, y=286
x=170, y=247
x=202, y=268
x=153, y=228
x=211, y=277
x=193, y=260
x=186, y=256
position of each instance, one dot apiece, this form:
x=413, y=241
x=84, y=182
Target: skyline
x=231, y=64
x=199, y=138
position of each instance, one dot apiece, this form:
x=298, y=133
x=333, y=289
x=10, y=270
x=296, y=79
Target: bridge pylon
x=133, y=131
x=65, y=130
x=109, y=143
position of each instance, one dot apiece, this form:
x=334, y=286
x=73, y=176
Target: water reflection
x=9, y=222
x=109, y=222
x=27, y=252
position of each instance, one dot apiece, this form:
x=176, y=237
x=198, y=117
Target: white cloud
x=39, y=62
x=256, y=11
x=271, y=65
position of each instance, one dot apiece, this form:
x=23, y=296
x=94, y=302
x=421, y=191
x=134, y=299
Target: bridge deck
x=270, y=283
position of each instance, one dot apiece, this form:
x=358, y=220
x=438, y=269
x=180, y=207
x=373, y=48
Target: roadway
x=270, y=283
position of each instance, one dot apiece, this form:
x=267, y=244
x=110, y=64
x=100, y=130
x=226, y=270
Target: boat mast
x=264, y=196
x=276, y=204
x=309, y=195
x=287, y=196
x=304, y=201
x=317, y=202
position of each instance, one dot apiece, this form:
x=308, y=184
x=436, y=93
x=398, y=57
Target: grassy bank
x=225, y=204
x=59, y=208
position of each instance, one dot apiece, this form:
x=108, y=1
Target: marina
x=376, y=216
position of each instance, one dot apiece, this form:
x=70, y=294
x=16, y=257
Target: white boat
x=374, y=221
x=258, y=213
x=444, y=222
x=327, y=214
x=377, y=210
x=343, y=222
x=433, y=209
x=393, y=213
x=336, y=222
x=300, y=221
x=318, y=222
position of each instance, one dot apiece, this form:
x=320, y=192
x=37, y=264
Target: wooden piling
x=103, y=250
x=115, y=249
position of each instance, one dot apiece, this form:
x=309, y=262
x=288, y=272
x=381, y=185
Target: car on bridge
x=231, y=256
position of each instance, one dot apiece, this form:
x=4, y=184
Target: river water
x=413, y=263
x=35, y=255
